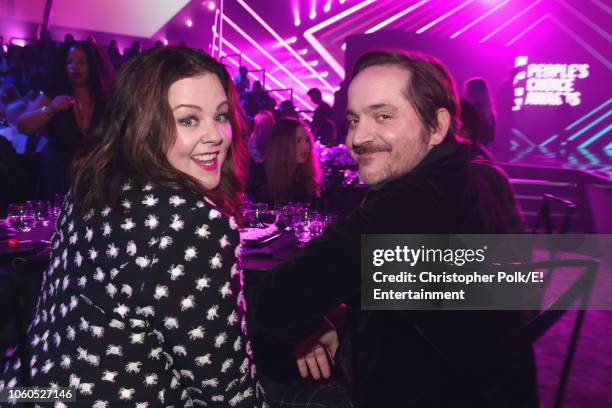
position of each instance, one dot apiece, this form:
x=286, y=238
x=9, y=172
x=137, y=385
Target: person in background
x=470, y=130
x=477, y=92
x=141, y=304
x=133, y=51
x=241, y=80
x=287, y=110
x=114, y=54
x=322, y=112
x=290, y=172
x=71, y=106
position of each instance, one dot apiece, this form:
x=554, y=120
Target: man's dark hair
x=314, y=93
x=430, y=87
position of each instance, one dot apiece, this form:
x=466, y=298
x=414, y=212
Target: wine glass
x=20, y=217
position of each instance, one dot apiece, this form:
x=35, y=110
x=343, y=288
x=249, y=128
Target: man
x=403, y=115
x=322, y=112
x=241, y=80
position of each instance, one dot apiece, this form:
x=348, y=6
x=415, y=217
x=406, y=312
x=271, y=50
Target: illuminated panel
x=266, y=53
x=396, y=17
x=547, y=84
x=586, y=21
x=525, y=31
x=583, y=43
x=507, y=23
x=479, y=19
x=268, y=75
x=589, y=126
x=316, y=44
x=547, y=141
x=588, y=115
x=285, y=45
x=443, y=17
x=596, y=136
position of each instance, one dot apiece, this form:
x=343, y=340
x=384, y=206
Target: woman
x=73, y=104
x=142, y=304
x=477, y=92
x=291, y=168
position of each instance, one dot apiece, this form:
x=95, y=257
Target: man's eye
x=352, y=120
x=189, y=121
x=383, y=116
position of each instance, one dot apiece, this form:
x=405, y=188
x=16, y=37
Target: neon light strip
x=266, y=53
x=584, y=44
x=276, y=81
x=443, y=17
x=309, y=36
x=608, y=147
x=285, y=45
x=233, y=61
x=396, y=17
x=522, y=136
x=602, y=6
x=600, y=107
x=507, y=23
x=550, y=139
x=479, y=19
x=589, y=126
x=525, y=31
x=586, y=21
x=596, y=136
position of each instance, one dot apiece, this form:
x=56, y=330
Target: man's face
x=386, y=136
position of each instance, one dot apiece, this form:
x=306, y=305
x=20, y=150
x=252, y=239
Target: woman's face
x=203, y=131
x=302, y=146
x=77, y=66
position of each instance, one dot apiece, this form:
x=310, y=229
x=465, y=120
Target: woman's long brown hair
x=282, y=170
x=138, y=129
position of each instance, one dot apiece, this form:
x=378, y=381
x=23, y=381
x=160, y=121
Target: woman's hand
x=61, y=103
x=315, y=353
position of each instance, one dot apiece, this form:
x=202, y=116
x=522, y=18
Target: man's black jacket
x=407, y=359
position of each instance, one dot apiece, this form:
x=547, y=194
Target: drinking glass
x=20, y=217
x=41, y=210
x=57, y=204
x=306, y=226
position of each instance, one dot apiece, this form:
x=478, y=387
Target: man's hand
x=316, y=353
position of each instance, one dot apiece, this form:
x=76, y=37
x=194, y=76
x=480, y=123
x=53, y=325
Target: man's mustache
x=370, y=148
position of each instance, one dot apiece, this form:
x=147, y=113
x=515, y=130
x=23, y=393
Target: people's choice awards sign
x=546, y=84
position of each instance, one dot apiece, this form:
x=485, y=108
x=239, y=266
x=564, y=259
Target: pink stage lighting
x=291, y=40
x=189, y=23
x=211, y=5
x=327, y=7
x=312, y=15
x=297, y=22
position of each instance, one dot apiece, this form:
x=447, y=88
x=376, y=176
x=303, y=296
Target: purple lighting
x=189, y=23
x=212, y=5
x=312, y=15
x=297, y=22
x=327, y=6
x=291, y=40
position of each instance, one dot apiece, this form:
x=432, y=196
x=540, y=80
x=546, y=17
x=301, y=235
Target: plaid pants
x=306, y=394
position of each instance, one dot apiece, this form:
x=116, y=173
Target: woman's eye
x=189, y=121
x=223, y=117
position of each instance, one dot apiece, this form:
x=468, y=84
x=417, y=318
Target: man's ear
x=439, y=134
